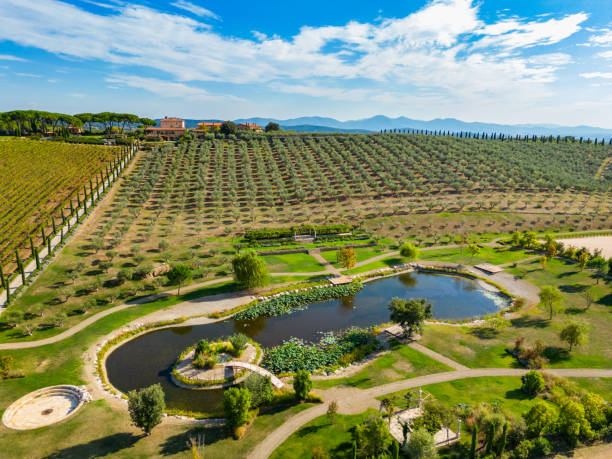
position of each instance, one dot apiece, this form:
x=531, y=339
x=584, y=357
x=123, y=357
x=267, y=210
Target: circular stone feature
x=44, y=407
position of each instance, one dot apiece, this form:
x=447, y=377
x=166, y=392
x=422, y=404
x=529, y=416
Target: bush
x=522, y=450
x=533, y=383
x=250, y=271
x=302, y=385
x=260, y=388
x=541, y=447
x=236, y=404
x=421, y=445
x=239, y=342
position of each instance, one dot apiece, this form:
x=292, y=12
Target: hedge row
x=273, y=233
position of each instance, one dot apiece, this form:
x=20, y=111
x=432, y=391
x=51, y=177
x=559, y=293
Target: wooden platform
x=489, y=268
x=340, y=280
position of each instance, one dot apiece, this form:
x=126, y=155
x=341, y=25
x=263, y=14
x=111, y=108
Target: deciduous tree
x=410, y=314
x=146, y=407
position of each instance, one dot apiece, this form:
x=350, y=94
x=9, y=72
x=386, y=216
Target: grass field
x=401, y=363
x=293, y=263
x=337, y=442
x=37, y=179
x=474, y=348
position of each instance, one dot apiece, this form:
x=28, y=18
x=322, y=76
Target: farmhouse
x=249, y=127
x=170, y=129
x=209, y=126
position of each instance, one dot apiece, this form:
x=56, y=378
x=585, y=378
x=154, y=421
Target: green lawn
x=485, y=348
x=505, y=390
x=386, y=263
x=401, y=363
x=293, y=263
x=112, y=435
x=492, y=255
x=334, y=439
x=362, y=254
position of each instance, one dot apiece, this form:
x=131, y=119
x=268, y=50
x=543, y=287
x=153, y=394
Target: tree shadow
x=556, y=354
x=484, y=332
x=308, y=430
x=516, y=394
x=606, y=300
x=179, y=443
x=97, y=448
x=528, y=322
x=574, y=310
x=343, y=451
x=572, y=288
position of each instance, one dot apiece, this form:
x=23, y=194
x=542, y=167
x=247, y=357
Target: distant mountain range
x=379, y=122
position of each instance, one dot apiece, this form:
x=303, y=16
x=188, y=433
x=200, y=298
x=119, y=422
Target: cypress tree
x=53, y=225
x=7, y=288
x=48, y=246
x=42, y=234
x=85, y=199
x=474, y=442
x=490, y=438
x=502, y=441
x=1, y=276
x=71, y=207
x=34, y=254
x=91, y=191
x=22, y=272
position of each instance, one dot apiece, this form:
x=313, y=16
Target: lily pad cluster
x=286, y=304
x=332, y=350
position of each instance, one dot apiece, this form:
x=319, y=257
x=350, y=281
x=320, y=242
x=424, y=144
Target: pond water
x=149, y=358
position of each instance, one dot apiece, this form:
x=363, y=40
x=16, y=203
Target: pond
x=148, y=359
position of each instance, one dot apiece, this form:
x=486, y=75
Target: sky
x=511, y=62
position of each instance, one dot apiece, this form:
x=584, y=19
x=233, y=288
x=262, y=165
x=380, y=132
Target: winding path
x=353, y=400
x=259, y=370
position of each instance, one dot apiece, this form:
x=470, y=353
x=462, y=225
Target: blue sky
x=493, y=61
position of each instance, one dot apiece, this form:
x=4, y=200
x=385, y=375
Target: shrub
x=236, y=404
x=522, y=450
x=421, y=445
x=239, y=342
x=541, y=447
x=409, y=251
x=533, y=383
x=539, y=418
x=372, y=437
x=573, y=424
x=302, y=385
x=260, y=388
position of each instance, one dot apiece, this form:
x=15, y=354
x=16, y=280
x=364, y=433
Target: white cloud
x=167, y=88
x=601, y=37
x=77, y=95
x=52, y=81
x=605, y=75
x=28, y=75
x=8, y=57
x=444, y=52
x=514, y=33
x=605, y=54
x=195, y=9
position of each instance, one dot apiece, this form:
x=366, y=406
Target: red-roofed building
x=210, y=125
x=169, y=129
x=249, y=127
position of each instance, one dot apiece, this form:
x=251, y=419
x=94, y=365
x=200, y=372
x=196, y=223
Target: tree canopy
x=410, y=314
x=250, y=271
x=146, y=407
x=272, y=126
